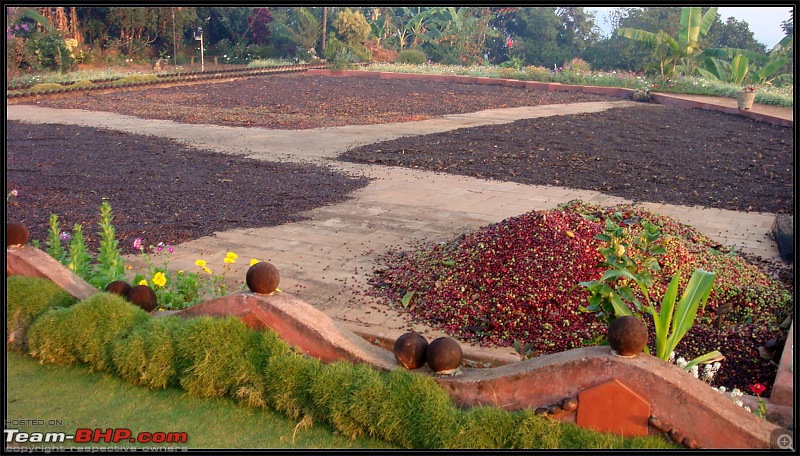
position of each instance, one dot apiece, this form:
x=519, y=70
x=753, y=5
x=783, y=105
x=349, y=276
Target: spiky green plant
x=79, y=257
x=110, y=265
x=54, y=247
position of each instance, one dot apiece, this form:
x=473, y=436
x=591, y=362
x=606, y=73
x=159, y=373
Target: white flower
x=736, y=393
x=708, y=372
x=747, y=408
x=721, y=389
x=681, y=362
x=695, y=371
x=738, y=402
x=671, y=356
x=716, y=366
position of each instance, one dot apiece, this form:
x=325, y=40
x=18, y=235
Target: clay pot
x=262, y=278
x=444, y=355
x=627, y=336
x=410, y=349
x=119, y=287
x=16, y=234
x=745, y=99
x=142, y=296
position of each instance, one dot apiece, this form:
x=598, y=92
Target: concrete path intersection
x=326, y=259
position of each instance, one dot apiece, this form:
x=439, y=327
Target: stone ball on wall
x=262, y=278
x=444, y=355
x=627, y=336
x=142, y=296
x=16, y=234
x=410, y=350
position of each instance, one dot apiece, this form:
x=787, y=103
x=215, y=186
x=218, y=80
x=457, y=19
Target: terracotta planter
x=744, y=100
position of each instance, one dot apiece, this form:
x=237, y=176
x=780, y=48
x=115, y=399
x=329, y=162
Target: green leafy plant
x=110, y=265
x=609, y=296
x=413, y=56
x=79, y=257
x=55, y=236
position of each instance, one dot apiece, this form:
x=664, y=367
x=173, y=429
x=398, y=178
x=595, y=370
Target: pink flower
x=137, y=244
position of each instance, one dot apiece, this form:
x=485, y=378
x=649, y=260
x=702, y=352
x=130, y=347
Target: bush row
x=210, y=357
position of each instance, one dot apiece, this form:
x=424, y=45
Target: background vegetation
x=59, y=38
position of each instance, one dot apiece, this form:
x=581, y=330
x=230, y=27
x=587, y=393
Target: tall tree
x=732, y=34
x=258, y=23
x=577, y=31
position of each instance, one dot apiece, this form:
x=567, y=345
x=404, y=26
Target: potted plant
x=745, y=97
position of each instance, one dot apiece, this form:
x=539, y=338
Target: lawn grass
x=84, y=399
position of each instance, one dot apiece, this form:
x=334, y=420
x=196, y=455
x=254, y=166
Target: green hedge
x=223, y=357
x=27, y=298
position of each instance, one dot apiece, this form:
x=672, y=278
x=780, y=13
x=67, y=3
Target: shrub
x=217, y=359
x=137, y=78
x=26, y=299
x=417, y=412
x=537, y=73
x=287, y=380
x=486, y=427
x=98, y=321
x=45, y=86
x=368, y=392
x=413, y=56
x=332, y=393
x=149, y=355
x=49, y=337
x=577, y=65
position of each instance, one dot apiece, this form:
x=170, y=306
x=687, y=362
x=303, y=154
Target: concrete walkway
x=326, y=259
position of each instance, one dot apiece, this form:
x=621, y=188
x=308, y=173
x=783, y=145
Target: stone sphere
x=444, y=355
x=119, y=287
x=627, y=336
x=16, y=234
x=262, y=278
x=142, y=296
x=409, y=350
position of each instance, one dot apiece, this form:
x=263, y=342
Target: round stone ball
x=16, y=234
x=119, y=287
x=627, y=336
x=444, y=355
x=262, y=278
x=409, y=350
x=142, y=296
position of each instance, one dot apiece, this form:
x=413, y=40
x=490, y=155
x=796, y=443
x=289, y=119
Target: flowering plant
x=757, y=389
x=748, y=88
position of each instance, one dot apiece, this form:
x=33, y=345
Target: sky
x=764, y=21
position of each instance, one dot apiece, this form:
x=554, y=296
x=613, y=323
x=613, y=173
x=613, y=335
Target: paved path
x=326, y=258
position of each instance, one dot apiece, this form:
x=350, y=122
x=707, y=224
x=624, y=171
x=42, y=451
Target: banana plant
x=668, y=50
x=733, y=72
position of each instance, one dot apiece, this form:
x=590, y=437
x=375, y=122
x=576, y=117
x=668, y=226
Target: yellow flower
x=253, y=261
x=207, y=271
x=229, y=260
x=143, y=282
x=620, y=250
x=180, y=272
x=201, y=263
x=160, y=279
x=231, y=255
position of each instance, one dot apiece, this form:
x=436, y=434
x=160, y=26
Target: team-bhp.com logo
x=84, y=435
